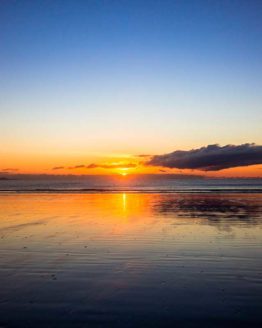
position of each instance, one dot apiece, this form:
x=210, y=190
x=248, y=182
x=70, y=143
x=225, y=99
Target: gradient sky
x=101, y=81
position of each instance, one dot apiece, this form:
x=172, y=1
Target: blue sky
x=129, y=76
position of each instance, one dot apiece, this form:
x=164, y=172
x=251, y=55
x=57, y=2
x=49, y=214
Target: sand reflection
x=107, y=215
x=120, y=260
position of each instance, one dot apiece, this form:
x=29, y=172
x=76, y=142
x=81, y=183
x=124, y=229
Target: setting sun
x=123, y=171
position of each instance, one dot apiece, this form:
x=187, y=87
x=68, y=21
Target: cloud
x=111, y=166
x=76, y=167
x=94, y=166
x=58, y=168
x=10, y=170
x=144, y=155
x=210, y=158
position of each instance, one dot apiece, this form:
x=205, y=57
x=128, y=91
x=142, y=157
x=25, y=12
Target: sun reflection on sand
x=124, y=201
x=137, y=215
x=105, y=250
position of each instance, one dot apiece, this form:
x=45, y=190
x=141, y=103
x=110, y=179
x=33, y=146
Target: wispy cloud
x=94, y=166
x=58, y=168
x=144, y=155
x=77, y=167
x=210, y=158
x=111, y=166
x=10, y=170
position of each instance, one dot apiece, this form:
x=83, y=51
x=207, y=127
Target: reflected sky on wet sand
x=130, y=260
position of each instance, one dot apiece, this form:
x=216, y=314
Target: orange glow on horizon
x=32, y=164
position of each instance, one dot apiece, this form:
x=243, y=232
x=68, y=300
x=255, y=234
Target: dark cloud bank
x=210, y=158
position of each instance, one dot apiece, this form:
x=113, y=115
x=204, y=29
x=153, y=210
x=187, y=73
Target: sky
x=97, y=83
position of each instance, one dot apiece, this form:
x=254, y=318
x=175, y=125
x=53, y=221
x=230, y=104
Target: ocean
x=132, y=183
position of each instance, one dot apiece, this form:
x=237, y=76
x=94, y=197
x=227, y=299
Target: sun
x=123, y=171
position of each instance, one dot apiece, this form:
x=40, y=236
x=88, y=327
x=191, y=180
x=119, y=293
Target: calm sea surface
x=138, y=183
x=131, y=259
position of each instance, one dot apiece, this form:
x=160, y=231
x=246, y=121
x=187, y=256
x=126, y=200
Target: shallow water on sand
x=131, y=260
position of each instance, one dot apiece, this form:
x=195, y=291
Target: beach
x=131, y=259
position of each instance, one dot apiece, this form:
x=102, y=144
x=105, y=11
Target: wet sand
x=131, y=260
